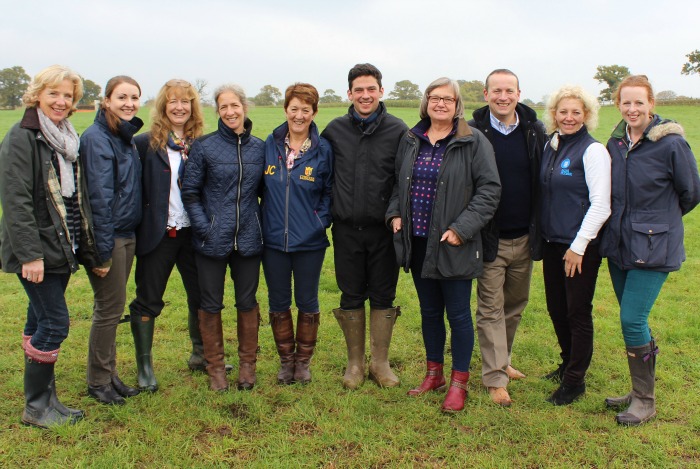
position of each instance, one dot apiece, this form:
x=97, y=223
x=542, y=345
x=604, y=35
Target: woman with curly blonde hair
x=575, y=179
x=164, y=237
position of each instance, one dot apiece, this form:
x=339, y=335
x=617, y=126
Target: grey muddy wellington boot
x=642, y=365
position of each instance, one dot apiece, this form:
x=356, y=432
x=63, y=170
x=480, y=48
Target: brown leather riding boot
x=307, y=331
x=283, y=332
x=213, y=338
x=247, y=327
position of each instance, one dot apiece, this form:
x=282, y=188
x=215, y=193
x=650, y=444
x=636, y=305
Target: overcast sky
x=259, y=42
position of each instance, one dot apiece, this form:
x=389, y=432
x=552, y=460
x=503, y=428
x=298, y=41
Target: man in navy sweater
x=511, y=240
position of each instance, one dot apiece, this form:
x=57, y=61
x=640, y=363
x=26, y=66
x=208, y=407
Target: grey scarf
x=64, y=140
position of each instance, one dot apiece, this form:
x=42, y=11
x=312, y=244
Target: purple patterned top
x=424, y=179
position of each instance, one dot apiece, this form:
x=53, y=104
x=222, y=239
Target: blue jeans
x=47, y=313
x=305, y=267
x=636, y=292
x=436, y=297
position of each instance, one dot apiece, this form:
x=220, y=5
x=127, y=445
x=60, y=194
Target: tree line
x=14, y=81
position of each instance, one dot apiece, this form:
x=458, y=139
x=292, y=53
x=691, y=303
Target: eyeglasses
x=436, y=99
x=180, y=83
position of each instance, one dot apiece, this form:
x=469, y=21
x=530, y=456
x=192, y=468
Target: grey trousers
x=502, y=293
x=110, y=299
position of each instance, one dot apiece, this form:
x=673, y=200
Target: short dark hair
x=361, y=70
x=504, y=71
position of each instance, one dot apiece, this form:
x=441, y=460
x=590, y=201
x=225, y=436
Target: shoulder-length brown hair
x=160, y=124
x=112, y=119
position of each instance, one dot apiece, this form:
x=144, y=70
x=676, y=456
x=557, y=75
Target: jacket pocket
x=649, y=244
x=456, y=261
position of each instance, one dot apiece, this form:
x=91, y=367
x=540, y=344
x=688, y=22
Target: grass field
x=323, y=425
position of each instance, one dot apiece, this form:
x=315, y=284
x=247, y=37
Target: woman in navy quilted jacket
x=113, y=171
x=654, y=183
x=296, y=212
x=220, y=193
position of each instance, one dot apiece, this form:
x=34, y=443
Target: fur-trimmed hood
x=658, y=129
x=664, y=128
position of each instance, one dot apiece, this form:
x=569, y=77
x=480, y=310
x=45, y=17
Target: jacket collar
x=126, y=129
x=30, y=120
x=372, y=126
x=281, y=132
x=463, y=130
x=231, y=136
x=657, y=129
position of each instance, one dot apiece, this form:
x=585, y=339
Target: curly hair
x=160, y=124
x=590, y=106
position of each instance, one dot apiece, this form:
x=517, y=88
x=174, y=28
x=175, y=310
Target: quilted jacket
x=220, y=190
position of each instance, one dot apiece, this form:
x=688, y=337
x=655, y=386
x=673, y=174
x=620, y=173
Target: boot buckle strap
x=433, y=373
x=459, y=385
x=648, y=355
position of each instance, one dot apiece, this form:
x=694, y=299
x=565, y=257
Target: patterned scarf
x=63, y=139
x=291, y=155
x=181, y=145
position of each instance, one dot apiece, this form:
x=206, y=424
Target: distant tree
x=200, y=84
x=91, y=92
x=268, y=96
x=666, y=95
x=329, y=96
x=404, y=89
x=471, y=91
x=13, y=84
x=611, y=75
x=693, y=64
x=528, y=102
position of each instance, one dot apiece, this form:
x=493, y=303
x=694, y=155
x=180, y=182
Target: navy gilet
x=564, y=189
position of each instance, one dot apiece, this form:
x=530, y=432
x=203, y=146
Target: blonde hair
x=160, y=124
x=590, y=106
x=51, y=77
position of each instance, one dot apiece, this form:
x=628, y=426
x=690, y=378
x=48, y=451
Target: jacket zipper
x=286, y=210
x=238, y=195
